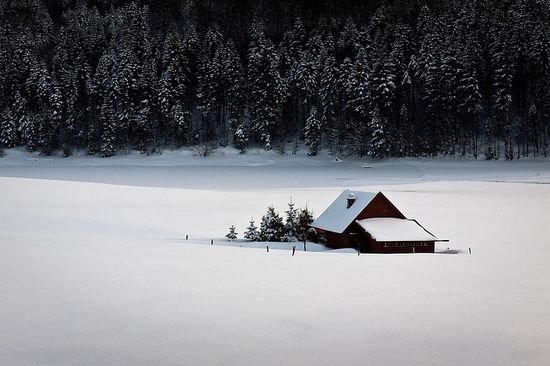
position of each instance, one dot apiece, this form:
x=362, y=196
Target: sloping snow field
x=95, y=268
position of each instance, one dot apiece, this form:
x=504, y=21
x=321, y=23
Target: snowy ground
x=101, y=274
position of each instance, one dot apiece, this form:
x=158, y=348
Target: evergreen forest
x=365, y=78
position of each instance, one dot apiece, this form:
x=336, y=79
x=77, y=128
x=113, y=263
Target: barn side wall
x=400, y=247
x=337, y=241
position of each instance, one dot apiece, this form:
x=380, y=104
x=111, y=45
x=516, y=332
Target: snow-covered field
x=95, y=268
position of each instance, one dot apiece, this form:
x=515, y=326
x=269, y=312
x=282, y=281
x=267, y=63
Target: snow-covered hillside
x=101, y=274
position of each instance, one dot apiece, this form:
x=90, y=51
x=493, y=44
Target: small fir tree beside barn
x=252, y=232
x=303, y=223
x=272, y=227
x=291, y=221
x=232, y=235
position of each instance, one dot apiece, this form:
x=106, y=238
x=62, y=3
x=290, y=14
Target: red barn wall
x=380, y=206
x=404, y=247
x=337, y=241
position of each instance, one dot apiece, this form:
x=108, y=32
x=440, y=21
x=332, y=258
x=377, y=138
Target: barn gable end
x=379, y=206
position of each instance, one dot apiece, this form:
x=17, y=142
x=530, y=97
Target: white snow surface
x=392, y=229
x=101, y=274
x=337, y=217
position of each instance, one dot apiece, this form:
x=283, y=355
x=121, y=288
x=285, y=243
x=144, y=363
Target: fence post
x=267, y=247
x=293, y=250
x=211, y=241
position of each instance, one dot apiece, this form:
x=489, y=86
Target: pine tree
x=264, y=84
x=241, y=138
x=502, y=95
x=210, y=83
x=252, y=232
x=173, y=85
x=232, y=235
x=327, y=92
x=29, y=128
x=8, y=129
x=313, y=132
x=291, y=221
x=304, y=221
x=108, y=125
x=378, y=142
x=272, y=227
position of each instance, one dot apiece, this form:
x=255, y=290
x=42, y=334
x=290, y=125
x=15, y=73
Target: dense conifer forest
x=368, y=78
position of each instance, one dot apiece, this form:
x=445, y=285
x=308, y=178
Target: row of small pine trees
x=272, y=228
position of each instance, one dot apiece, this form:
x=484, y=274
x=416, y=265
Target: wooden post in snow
x=211, y=241
x=293, y=250
x=267, y=247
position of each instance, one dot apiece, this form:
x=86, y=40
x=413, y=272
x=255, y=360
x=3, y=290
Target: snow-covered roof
x=337, y=217
x=392, y=229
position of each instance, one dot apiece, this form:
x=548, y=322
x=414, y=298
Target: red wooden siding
x=380, y=206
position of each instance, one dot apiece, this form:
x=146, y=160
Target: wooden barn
x=370, y=223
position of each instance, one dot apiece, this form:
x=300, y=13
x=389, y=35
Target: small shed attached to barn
x=370, y=223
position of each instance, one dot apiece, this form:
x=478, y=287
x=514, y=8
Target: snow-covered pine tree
x=312, y=132
x=29, y=127
x=502, y=61
x=348, y=39
x=26, y=126
x=265, y=85
x=291, y=221
x=468, y=100
x=92, y=140
x=378, y=143
x=272, y=227
x=327, y=91
x=182, y=123
x=108, y=125
x=209, y=87
x=252, y=232
x=72, y=71
x=45, y=111
x=241, y=138
x=173, y=84
x=383, y=84
x=304, y=221
x=8, y=128
x=436, y=62
x=304, y=80
x=357, y=88
x=136, y=76
x=354, y=77
x=293, y=43
x=539, y=56
x=232, y=235
x=234, y=89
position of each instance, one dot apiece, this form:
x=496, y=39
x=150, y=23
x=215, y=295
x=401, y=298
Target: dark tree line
x=371, y=78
